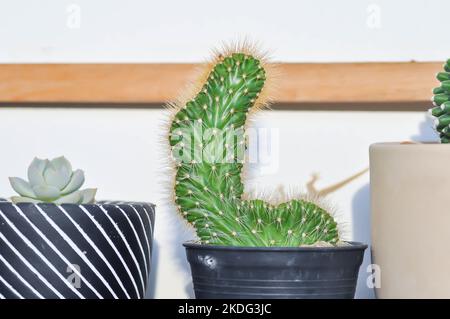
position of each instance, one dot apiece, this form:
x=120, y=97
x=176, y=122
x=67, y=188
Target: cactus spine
x=441, y=101
x=207, y=139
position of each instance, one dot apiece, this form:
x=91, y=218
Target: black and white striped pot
x=75, y=251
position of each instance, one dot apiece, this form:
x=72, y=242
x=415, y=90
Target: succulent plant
x=52, y=181
x=207, y=140
x=441, y=101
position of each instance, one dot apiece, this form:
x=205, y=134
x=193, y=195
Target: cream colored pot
x=410, y=198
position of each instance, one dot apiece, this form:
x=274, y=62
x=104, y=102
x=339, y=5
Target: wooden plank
x=359, y=82
x=156, y=83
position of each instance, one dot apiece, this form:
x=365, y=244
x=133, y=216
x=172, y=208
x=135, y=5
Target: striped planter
x=75, y=251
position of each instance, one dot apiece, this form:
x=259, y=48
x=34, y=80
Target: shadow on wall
x=361, y=233
x=426, y=132
x=169, y=250
x=361, y=212
x=150, y=294
x=183, y=234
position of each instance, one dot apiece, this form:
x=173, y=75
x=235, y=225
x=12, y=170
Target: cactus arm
x=203, y=179
x=207, y=138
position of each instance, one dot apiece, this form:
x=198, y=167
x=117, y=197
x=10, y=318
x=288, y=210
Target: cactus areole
x=207, y=140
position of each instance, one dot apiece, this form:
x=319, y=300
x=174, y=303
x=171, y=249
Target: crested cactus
x=441, y=101
x=207, y=140
x=52, y=181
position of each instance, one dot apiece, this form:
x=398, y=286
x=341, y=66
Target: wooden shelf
x=299, y=83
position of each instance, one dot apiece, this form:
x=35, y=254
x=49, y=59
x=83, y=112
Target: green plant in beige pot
x=409, y=188
x=247, y=248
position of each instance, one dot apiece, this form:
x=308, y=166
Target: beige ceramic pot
x=410, y=198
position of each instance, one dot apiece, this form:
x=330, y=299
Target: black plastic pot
x=73, y=251
x=220, y=272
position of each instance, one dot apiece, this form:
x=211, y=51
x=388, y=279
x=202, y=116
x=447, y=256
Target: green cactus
x=441, y=101
x=207, y=139
x=52, y=181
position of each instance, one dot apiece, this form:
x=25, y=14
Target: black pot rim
x=353, y=246
x=99, y=203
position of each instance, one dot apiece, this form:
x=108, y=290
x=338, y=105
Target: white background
x=120, y=150
x=177, y=30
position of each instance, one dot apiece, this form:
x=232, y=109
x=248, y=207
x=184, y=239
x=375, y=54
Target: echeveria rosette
x=441, y=101
x=52, y=181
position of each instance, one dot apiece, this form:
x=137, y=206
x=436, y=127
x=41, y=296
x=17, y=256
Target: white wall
x=119, y=149
x=122, y=154
x=177, y=30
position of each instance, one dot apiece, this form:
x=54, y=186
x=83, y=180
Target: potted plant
x=409, y=190
x=57, y=242
x=248, y=248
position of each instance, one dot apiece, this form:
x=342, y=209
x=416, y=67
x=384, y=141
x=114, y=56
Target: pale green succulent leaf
x=55, y=178
x=22, y=199
x=46, y=192
x=75, y=183
x=22, y=187
x=52, y=181
x=61, y=163
x=36, y=172
x=72, y=198
x=88, y=195
x=63, y=167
